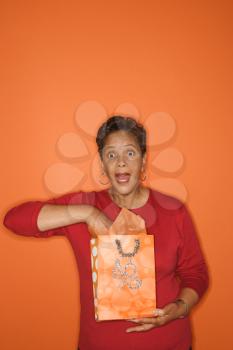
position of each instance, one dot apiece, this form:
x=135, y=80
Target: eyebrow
x=130, y=144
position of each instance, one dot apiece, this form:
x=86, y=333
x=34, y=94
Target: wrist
x=183, y=307
x=90, y=213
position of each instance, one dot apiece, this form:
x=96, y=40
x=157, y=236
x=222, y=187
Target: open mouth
x=122, y=177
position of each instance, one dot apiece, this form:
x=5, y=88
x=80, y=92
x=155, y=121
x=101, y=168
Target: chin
x=124, y=188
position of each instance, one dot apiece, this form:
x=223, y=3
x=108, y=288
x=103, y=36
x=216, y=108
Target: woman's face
x=122, y=161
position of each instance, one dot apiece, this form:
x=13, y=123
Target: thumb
x=159, y=312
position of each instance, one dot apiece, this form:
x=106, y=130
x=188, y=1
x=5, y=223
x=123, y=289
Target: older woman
x=182, y=276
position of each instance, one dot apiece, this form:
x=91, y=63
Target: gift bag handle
x=129, y=255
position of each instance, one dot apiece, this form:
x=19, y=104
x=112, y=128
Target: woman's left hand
x=162, y=316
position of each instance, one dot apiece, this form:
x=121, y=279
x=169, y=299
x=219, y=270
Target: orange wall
x=160, y=56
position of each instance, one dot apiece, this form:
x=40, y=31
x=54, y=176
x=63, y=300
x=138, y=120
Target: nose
x=121, y=161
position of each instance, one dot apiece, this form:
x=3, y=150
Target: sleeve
x=22, y=219
x=191, y=267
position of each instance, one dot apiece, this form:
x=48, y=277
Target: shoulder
x=172, y=207
x=166, y=203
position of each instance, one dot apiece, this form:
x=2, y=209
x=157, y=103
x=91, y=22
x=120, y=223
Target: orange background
x=173, y=56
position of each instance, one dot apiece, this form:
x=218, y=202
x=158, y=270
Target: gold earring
x=103, y=183
x=144, y=176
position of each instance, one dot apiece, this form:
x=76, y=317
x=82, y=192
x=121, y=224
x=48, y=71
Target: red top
x=179, y=263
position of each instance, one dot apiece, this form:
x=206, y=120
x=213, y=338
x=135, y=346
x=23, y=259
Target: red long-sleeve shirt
x=179, y=263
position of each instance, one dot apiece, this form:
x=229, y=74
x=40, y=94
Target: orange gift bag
x=123, y=270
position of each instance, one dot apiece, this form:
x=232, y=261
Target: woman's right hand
x=98, y=223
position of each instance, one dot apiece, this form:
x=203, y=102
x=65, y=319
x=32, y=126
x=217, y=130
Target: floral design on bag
x=127, y=273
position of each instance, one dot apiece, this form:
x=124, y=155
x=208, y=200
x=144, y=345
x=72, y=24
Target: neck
x=134, y=199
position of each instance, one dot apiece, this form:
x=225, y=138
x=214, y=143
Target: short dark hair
x=117, y=123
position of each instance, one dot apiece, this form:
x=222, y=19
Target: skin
x=121, y=153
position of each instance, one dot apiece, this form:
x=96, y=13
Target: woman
x=182, y=276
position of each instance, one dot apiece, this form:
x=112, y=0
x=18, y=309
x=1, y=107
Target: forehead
x=120, y=138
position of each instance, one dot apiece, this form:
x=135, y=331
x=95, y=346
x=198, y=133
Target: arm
x=191, y=267
x=47, y=218
x=53, y=216
x=23, y=218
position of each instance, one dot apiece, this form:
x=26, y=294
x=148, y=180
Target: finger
x=149, y=320
x=141, y=328
x=157, y=312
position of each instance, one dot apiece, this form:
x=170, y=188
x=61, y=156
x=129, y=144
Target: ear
x=101, y=165
x=144, y=159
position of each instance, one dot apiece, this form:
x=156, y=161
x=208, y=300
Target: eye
x=131, y=153
x=111, y=155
